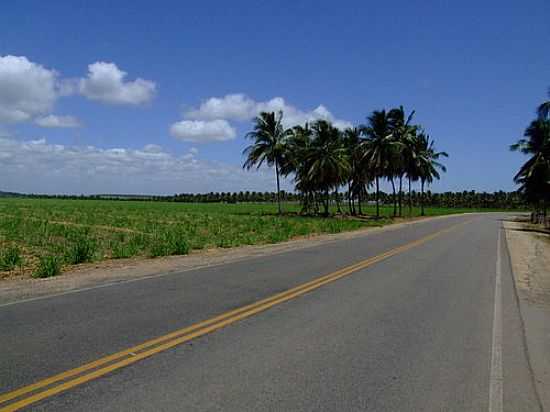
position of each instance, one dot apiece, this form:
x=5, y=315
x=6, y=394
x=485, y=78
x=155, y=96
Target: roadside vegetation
x=534, y=175
x=40, y=236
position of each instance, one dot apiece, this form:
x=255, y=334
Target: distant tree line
x=465, y=199
x=534, y=175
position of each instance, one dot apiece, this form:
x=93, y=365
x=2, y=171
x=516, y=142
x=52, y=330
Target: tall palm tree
x=269, y=137
x=358, y=177
x=327, y=160
x=534, y=175
x=378, y=147
x=298, y=146
x=411, y=163
x=544, y=109
x=427, y=160
x=403, y=133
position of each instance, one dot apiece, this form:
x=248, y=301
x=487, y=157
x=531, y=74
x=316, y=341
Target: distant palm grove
x=324, y=160
x=464, y=199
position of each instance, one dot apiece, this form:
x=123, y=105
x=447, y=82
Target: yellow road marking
x=151, y=347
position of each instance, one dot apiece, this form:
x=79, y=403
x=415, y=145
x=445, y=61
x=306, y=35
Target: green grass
x=80, y=247
x=10, y=258
x=48, y=266
x=50, y=233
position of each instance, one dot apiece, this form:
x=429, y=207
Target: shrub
x=223, y=242
x=48, y=266
x=82, y=249
x=10, y=258
x=169, y=244
x=124, y=250
x=178, y=245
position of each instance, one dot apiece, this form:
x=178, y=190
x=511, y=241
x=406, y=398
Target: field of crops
x=39, y=237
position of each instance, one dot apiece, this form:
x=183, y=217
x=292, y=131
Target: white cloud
x=36, y=166
x=231, y=106
x=209, y=122
x=53, y=120
x=152, y=148
x=27, y=89
x=201, y=131
x=105, y=82
x=241, y=107
x=194, y=150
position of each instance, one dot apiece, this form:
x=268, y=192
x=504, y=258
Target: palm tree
x=327, y=161
x=403, y=133
x=427, y=163
x=544, y=109
x=269, y=137
x=358, y=177
x=298, y=146
x=378, y=148
x=410, y=162
x=534, y=175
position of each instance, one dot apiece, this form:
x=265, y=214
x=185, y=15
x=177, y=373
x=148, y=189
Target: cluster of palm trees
x=534, y=176
x=324, y=159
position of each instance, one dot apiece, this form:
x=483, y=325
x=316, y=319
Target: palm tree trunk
x=400, y=193
x=410, y=198
x=337, y=194
x=361, y=192
x=316, y=196
x=422, y=197
x=349, y=199
x=278, y=187
x=377, y=197
x=326, y=203
x=359, y=200
x=394, y=198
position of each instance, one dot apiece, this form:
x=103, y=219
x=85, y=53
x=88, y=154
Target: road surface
x=423, y=318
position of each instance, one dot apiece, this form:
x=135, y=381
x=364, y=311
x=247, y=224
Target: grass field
x=40, y=237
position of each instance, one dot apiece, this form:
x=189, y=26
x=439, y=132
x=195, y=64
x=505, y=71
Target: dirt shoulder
x=125, y=270
x=530, y=257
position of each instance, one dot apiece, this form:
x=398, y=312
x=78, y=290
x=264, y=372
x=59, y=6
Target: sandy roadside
x=530, y=258
x=125, y=270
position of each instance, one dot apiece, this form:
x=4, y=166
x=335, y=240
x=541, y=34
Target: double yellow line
x=69, y=379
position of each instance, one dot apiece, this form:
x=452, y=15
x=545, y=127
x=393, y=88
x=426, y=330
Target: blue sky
x=473, y=71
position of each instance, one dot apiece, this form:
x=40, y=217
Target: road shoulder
x=530, y=260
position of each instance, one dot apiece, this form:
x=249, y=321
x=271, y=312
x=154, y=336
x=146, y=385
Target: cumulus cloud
x=27, y=89
x=37, y=166
x=105, y=82
x=201, y=131
x=241, y=107
x=210, y=121
x=152, y=148
x=231, y=106
x=53, y=120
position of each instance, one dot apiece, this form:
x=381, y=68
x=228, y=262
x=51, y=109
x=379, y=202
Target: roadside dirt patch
x=530, y=253
x=529, y=250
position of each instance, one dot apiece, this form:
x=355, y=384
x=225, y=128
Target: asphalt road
x=433, y=327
